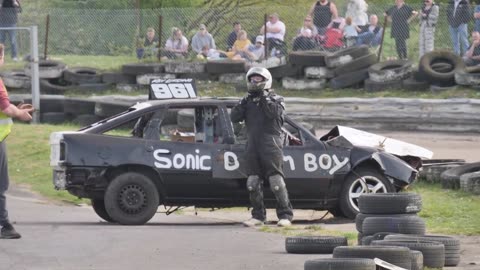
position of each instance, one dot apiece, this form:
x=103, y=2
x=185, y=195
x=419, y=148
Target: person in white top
x=176, y=46
x=275, y=33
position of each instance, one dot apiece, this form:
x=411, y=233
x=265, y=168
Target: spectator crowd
x=324, y=28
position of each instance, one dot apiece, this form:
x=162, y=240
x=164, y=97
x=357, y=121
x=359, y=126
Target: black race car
x=187, y=152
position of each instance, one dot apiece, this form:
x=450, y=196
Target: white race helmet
x=259, y=86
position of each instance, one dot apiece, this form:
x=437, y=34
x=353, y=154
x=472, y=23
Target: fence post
x=47, y=30
x=35, y=74
x=385, y=22
x=160, y=33
x=265, y=40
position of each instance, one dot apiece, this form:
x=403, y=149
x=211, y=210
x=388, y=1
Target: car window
x=123, y=130
x=198, y=124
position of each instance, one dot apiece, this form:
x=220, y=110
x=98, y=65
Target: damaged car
x=186, y=152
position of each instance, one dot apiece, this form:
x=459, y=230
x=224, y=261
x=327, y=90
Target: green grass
x=449, y=211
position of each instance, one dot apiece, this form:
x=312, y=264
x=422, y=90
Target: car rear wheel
x=361, y=180
x=99, y=208
x=131, y=199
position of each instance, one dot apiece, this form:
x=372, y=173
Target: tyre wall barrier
x=396, y=114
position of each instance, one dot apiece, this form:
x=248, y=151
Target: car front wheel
x=131, y=199
x=361, y=180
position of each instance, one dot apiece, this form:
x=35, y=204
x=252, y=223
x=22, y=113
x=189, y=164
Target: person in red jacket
x=8, y=111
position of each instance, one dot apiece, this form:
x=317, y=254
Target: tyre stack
x=305, y=70
x=438, y=68
x=84, y=79
x=468, y=76
x=465, y=177
x=388, y=75
x=16, y=80
x=433, y=168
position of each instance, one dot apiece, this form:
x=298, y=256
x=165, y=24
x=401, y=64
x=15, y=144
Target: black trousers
x=401, y=44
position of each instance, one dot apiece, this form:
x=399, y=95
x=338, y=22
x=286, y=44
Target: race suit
x=263, y=115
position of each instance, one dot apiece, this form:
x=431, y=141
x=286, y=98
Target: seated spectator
x=212, y=54
x=370, y=34
x=233, y=35
x=337, y=23
x=350, y=32
x=256, y=52
x=275, y=34
x=148, y=46
x=472, y=55
x=305, y=37
x=176, y=45
x=240, y=47
x=201, y=39
x=333, y=38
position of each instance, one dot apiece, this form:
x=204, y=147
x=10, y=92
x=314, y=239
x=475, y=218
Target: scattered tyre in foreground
x=340, y=264
x=314, y=244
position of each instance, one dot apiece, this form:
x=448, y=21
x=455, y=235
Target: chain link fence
x=86, y=32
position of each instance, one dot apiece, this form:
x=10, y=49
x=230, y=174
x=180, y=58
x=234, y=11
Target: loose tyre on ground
x=345, y=56
x=82, y=75
x=308, y=58
x=399, y=256
x=353, y=187
x=390, y=203
x=16, y=79
x=412, y=84
x=340, y=264
x=470, y=182
x=469, y=76
x=357, y=64
x=131, y=198
x=349, y=79
x=372, y=86
x=314, y=244
x=450, y=179
x=48, y=69
x=433, y=252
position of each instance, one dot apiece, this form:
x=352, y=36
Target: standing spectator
x=428, y=21
x=9, y=18
x=305, y=36
x=323, y=12
x=149, y=47
x=275, y=34
x=357, y=10
x=370, y=34
x=350, y=32
x=472, y=55
x=263, y=113
x=176, y=45
x=8, y=111
x=458, y=16
x=476, y=16
x=233, y=35
x=401, y=14
x=201, y=39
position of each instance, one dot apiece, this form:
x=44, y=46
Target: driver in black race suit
x=263, y=112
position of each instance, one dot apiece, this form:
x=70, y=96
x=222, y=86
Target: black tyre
x=48, y=69
x=468, y=76
x=349, y=79
x=452, y=245
x=353, y=187
x=372, y=86
x=390, y=203
x=308, y=58
x=366, y=240
x=432, y=173
x=417, y=260
x=433, y=252
x=16, y=79
x=95, y=87
x=439, y=88
x=77, y=106
x=82, y=75
x=345, y=56
x=442, y=67
x=131, y=199
x=225, y=66
x=391, y=70
x=54, y=86
x=99, y=208
x=450, y=179
x=143, y=68
x=314, y=244
x=436, y=77
x=404, y=225
x=470, y=182
x=361, y=217
x=340, y=264
x=399, y=256
x=411, y=84
x=357, y=64
x=288, y=70
x=117, y=77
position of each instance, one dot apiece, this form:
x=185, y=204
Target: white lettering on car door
x=181, y=161
x=290, y=161
x=330, y=163
x=230, y=161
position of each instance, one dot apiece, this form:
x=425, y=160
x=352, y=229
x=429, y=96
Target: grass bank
x=445, y=211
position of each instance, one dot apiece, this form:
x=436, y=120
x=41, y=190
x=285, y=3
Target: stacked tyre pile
x=392, y=221
x=438, y=69
x=452, y=174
